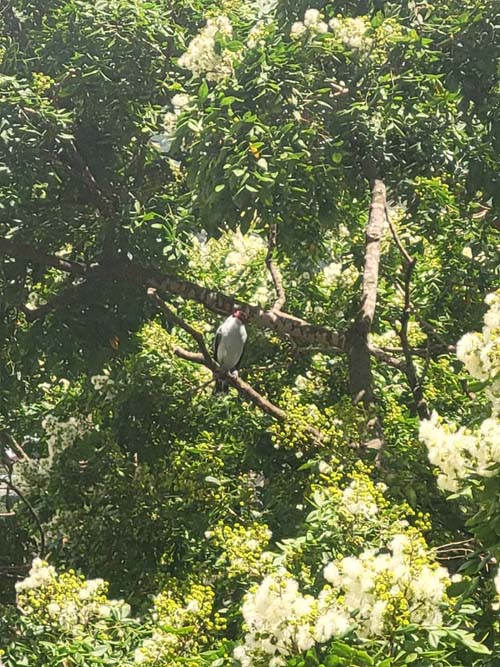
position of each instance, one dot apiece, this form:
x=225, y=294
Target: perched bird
x=229, y=343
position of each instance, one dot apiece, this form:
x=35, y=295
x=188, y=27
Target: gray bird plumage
x=229, y=343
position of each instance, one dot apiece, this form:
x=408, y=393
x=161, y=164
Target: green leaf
x=203, y=91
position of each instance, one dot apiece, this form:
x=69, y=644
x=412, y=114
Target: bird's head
x=240, y=314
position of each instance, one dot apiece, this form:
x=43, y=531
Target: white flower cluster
x=357, y=502
x=103, y=383
x=40, y=575
x=334, y=275
x=379, y=588
x=458, y=452
x=331, y=273
x=278, y=618
x=312, y=24
x=163, y=141
x=203, y=59
x=62, y=434
x=373, y=591
x=246, y=250
x=351, y=32
x=480, y=352
x=66, y=601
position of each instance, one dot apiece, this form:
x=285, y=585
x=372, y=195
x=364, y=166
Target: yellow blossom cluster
x=243, y=548
x=65, y=601
x=182, y=625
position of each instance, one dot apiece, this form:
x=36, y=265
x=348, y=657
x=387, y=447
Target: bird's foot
x=234, y=374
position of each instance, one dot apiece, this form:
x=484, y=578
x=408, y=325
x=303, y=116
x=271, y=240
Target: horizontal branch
x=282, y=323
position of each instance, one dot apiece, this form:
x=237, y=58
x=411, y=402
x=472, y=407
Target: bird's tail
x=221, y=387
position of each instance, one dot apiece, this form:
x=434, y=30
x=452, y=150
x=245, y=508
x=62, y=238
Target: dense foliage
x=162, y=160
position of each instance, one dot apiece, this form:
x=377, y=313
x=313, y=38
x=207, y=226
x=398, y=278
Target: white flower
x=311, y=17
x=297, y=29
x=180, y=100
x=202, y=57
x=351, y=32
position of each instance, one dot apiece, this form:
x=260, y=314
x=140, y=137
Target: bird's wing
x=241, y=357
x=218, y=336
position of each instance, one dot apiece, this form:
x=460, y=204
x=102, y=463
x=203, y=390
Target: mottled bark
x=358, y=349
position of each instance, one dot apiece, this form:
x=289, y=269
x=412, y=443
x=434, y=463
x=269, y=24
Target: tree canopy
x=331, y=167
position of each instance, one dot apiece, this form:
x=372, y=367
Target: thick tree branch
x=358, y=350
x=282, y=323
x=273, y=269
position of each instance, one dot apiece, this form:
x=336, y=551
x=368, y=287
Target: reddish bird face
x=240, y=315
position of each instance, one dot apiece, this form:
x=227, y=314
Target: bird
x=229, y=344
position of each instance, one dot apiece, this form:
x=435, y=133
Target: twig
x=383, y=355
x=273, y=269
x=410, y=370
x=18, y=492
x=395, y=236
x=198, y=337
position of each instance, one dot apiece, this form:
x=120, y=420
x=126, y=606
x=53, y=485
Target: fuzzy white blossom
x=298, y=29
x=180, y=100
x=460, y=451
x=372, y=591
x=278, y=620
x=312, y=24
x=352, y=32
x=40, y=575
x=368, y=582
x=202, y=57
x=357, y=502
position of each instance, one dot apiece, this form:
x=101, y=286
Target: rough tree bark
x=358, y=349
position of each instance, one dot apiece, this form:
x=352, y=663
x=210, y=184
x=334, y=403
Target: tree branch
x=18, y=492
x=410, y=371
x=281, y=323
x=273, y=269
x=395, y=236
x=249, y=392
x=198, y=337
x=358, y=350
